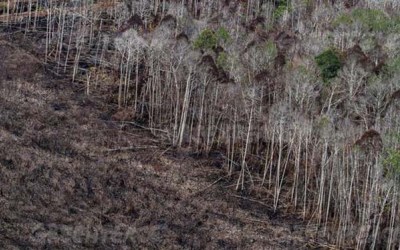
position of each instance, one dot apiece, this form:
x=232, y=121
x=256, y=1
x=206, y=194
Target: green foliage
x=270, y=49
x=368, y=43
x=374, y=20
x=329, y=64
x=206, y=40
x=396, y=24
x=222, y=60
x=280, y=10
x=344, y=19
x=393, y=66
x=308, y=3
x=323, y=122
x=261, y=56
x=209, y=39
x=370, y=19
x=223, y=35
x=392, y=162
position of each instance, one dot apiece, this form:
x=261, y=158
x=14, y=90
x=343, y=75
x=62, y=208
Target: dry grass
x=288, y=139
x=59, y=188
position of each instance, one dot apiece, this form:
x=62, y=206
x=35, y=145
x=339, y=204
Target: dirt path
x=62, y=184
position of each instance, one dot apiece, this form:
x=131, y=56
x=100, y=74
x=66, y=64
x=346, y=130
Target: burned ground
x=72, y=177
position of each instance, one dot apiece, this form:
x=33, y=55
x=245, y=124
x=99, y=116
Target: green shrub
x=206, y=40
x=270, y=49
x=374, y=20
x=329, y=64
x=222, y=60
x=280, y=10
x=223, y=35
x=370, y=19
x=209, y=39
x=392, y=66
x=368, y=43
x=392, y=162
x=391, y=155
x=396, y=24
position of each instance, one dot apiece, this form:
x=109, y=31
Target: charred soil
x=72, y=177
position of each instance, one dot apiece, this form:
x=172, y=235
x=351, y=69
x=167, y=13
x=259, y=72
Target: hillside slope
x=71, y=177
x=292, y=105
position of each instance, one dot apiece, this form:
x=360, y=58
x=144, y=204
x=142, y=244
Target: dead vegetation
x=238, y=78
x=64, y=184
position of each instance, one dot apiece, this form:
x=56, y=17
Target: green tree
x=206, y=40
x=370, y=19
x=281, y=8
x=329, y=64
x=223, y=35
x=392, y=66
x=392, y=162
x=210, y=39
x=222, y=60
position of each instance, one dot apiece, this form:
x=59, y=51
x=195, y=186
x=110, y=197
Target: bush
x=371, y=20
x=209, y=39
x=281, y=8
x=271, y=51
x=222, y=60
x=206, y=40
x=329, y=64
x=392, y=163
x=223, y=35
x=392, y=67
